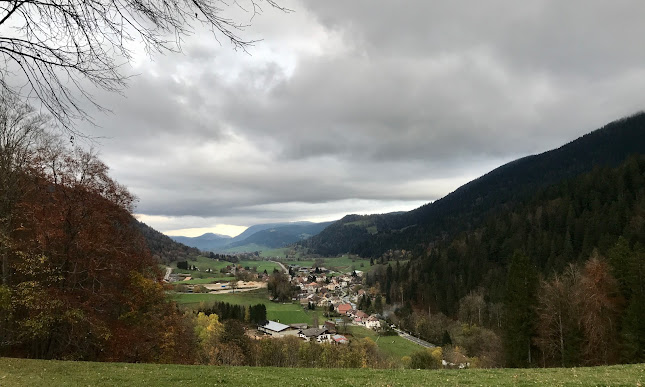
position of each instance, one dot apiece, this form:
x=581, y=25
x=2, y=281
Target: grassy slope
x=393, y=346
x=272, y=253
x=342, y=264
x=286, y=313
x=23, y=372
x=204, y=263
x=246, y=248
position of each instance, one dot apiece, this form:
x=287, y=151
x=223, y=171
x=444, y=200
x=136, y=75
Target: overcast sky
x=364, y=106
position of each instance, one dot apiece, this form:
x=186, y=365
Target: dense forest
x=468, y=206
x=540, y=260
x=582, y=237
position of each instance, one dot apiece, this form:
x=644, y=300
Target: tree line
x=224, y=343
x=254, y=314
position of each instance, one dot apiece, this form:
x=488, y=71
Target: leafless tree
x=55, y=46
x=471, y=308
x=21, y=133
x=557, y=311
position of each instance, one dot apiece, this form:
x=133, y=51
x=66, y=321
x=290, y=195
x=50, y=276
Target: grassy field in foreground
x=285, y=313
x=23, y=372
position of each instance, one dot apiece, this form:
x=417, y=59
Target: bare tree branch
x=56, y=45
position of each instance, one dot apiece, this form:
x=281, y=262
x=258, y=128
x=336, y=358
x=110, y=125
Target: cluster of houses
x=320, y=289
x=325, y=334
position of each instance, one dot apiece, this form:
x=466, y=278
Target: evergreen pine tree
x=520, y=300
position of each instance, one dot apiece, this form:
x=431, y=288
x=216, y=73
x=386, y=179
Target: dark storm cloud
x=382, y=103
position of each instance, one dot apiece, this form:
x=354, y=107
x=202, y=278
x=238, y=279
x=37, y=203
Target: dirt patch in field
x=242, y=286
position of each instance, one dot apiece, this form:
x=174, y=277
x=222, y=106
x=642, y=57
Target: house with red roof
x=343, y=308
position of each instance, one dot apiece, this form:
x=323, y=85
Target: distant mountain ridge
x=264, y=226
x=205, y=242
x=269, y=235
x=371, y=235
x=283, y=235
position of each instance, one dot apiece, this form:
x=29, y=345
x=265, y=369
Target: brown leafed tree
x=82, y=282
x=51, y=50
x=600, y=312
x=578, y=316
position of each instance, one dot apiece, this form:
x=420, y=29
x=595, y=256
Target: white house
x=318, y=334
x=372, y=322
x=275, y=329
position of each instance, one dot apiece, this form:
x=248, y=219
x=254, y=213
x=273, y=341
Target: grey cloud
x=577, y=36
x=349, y=103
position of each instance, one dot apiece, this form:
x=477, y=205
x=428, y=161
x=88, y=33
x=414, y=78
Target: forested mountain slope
x=162, y=247
x=469, y=205
x=261, y=227
x=595, y=221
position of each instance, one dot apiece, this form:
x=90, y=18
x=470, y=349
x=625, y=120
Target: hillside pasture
x=203, y=264
x=246, y=248
x=287, y=313
x=394, y=346
x=27, y=372
x=341, y=264
x=283, y=252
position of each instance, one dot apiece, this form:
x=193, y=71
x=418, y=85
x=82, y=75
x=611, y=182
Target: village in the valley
x=335, y=297
x=323, y=300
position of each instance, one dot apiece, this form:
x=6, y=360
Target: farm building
x=275, y=329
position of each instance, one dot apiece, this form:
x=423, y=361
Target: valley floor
x=24, y=372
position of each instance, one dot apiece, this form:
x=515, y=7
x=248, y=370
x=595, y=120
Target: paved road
x=282, y=266
x=414, y=339
x=167, y=276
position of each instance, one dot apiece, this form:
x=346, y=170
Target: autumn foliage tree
x=601, y=305
x=579, y=316
x=78, y=279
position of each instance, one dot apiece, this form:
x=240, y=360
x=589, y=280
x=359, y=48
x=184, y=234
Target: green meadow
x=341, y=264
x=394, y=346
x=203, y=264
x=25, y=372
x=287, y=313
